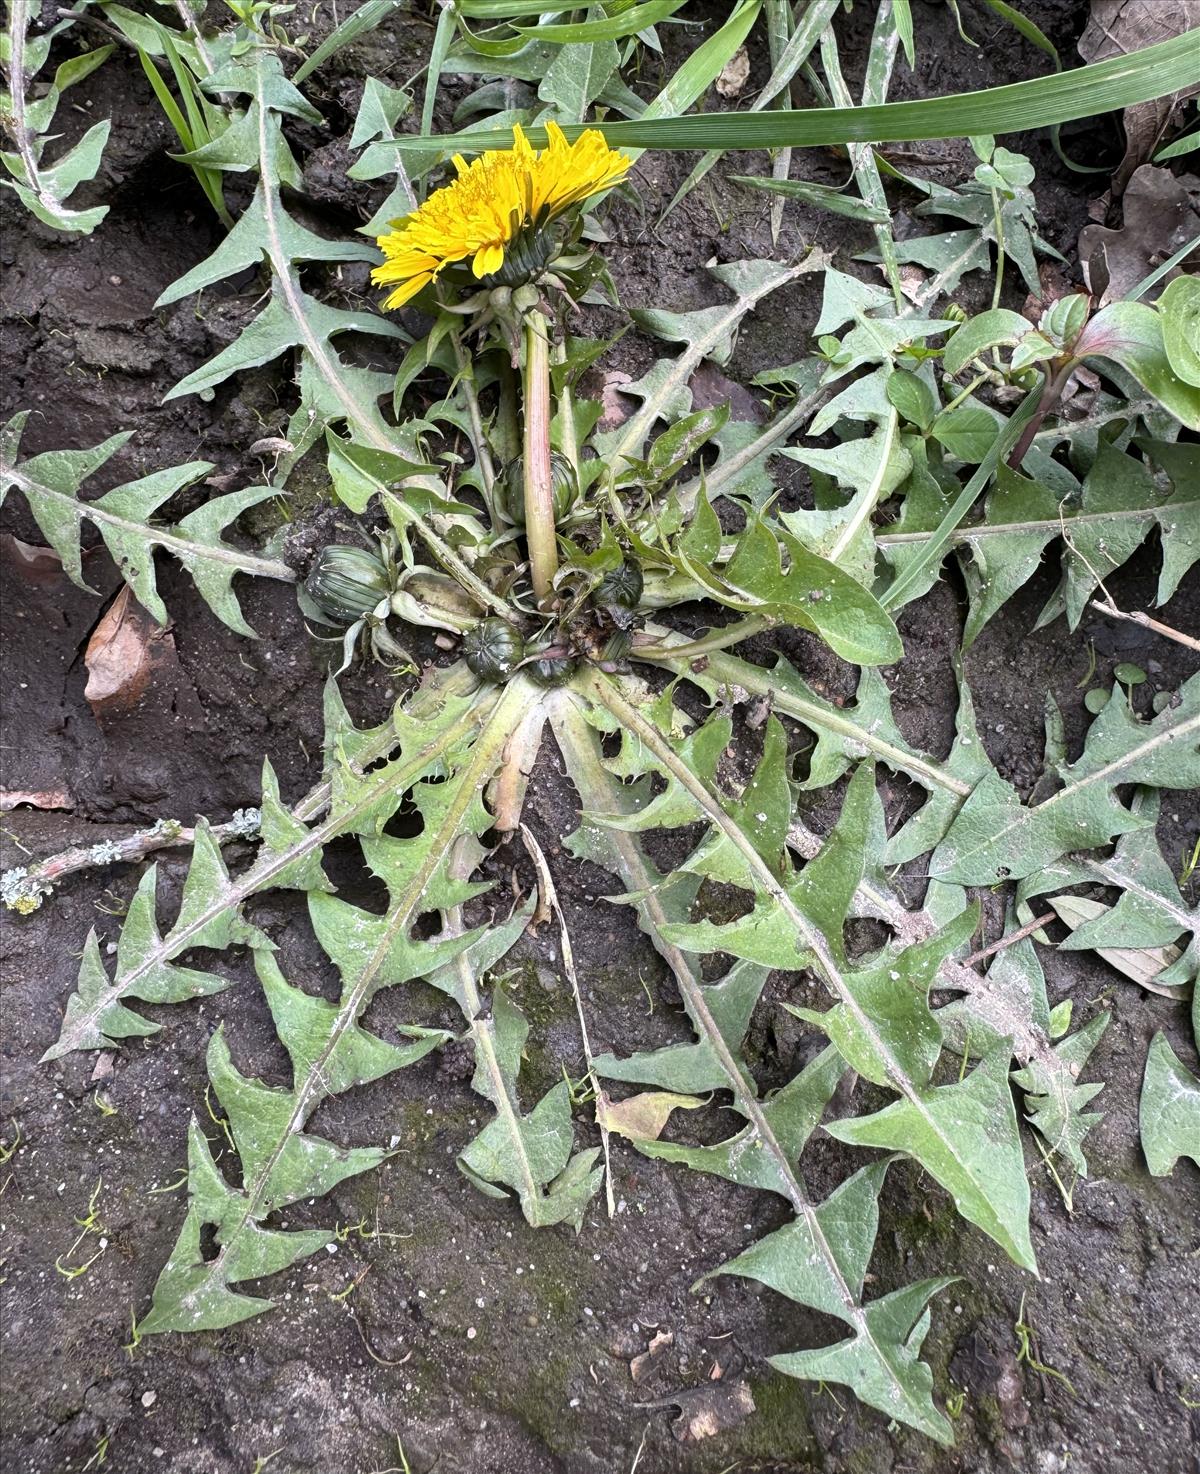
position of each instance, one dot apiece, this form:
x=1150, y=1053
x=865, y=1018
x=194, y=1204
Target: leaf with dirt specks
x=330, y=1051
x=1142, y=965
x=995, y=836
x=708, y=332
x=44, y=188
x=766, y=1151
x=769, y=572
x=531, y=1154
x=148, y=967
x=266, y=234
x=50, y=483
x=1169, y=1111
x=280, y=1162
x=1150, y=916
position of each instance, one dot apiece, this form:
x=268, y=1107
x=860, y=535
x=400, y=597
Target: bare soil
x=483, y=1345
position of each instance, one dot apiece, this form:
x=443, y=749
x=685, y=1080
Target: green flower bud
x=493, y=649
x=553, y=670
x=562, y=474
x=347, y=583
x=621, y=587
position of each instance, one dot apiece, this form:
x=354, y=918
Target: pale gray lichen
x=22, y=892
x=105, y=852
x=246, y=822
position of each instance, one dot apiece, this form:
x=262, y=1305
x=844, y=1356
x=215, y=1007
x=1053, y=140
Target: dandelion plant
x=552, y=555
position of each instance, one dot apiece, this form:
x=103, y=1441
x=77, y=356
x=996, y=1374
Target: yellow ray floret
x=494, y=198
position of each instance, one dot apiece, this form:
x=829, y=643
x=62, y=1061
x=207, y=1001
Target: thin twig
x=550, y=899
x=25, y=887
x=1106, y=606
x=1010, y=940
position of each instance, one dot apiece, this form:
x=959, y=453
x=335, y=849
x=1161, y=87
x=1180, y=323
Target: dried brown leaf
x=1117, y=27
x=617, y=406
x=706, y=1411
x=1161, y=213
x=1140, y=964
x=32, y=562
x=46, y=798
x=646, y=1363
x=734, y=74
x=125, y=650
x=642, y=1117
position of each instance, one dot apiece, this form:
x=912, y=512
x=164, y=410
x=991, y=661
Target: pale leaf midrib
x=828, y=968
x=567, y=729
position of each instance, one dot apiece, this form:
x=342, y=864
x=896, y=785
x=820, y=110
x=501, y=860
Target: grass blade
x=364, y=19
x=1141, y=76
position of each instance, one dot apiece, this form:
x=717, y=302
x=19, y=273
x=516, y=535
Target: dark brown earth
x=328, y=1382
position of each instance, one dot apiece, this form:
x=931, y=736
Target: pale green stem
x=539, y=483
x=717, y=639
x=998, y=217
x=566, y=414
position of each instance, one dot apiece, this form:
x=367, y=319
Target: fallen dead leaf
x=642, y=1117
x=711, y=388
x=986, y=1373
x=710, y=1410
x=33, y=562
x=1161, y=213
x=1117, y=27
x=48, y=798
x=734, y=74
x=616, y=406
x=125, y=649
x=645, y=1363
x=1053, y=283
x=912, y=281
x=1141, y=965
x=271, y=445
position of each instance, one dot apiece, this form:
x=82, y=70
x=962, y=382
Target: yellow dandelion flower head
x=490, y=205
